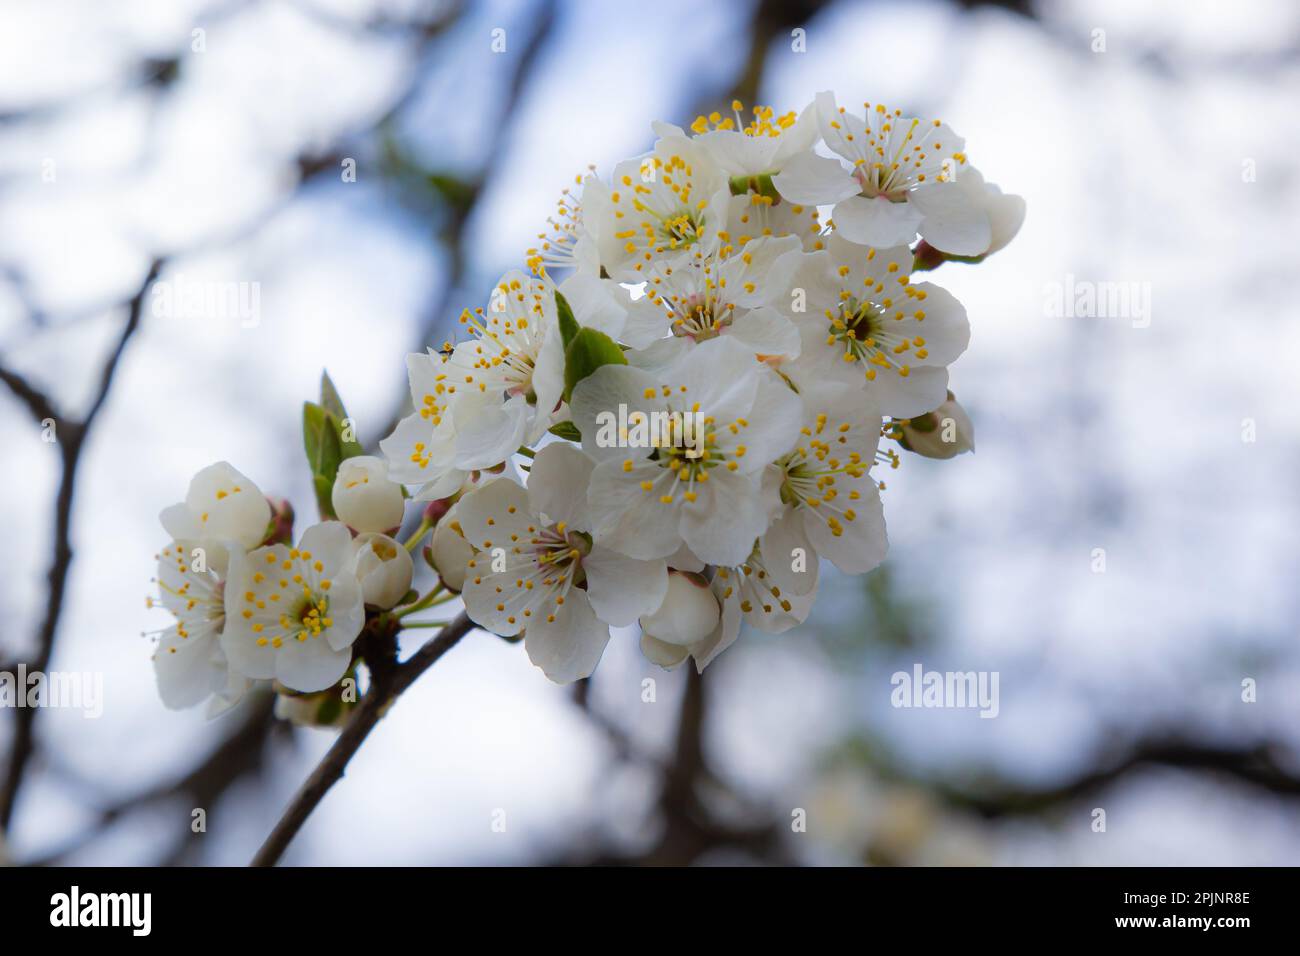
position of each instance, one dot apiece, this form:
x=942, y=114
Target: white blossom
x=221, y=506
x=725, y=291
x=899, y=180
x=363, y=496
x=188, y=662
x=831, y=503
x=758, y=145
x=945, y=432
x=647, y=501
x=657, y=205
x=537, y=570
x=865, y=321
x=383, y=568
x=293, y=613
x=688, y=614
x=747, y=592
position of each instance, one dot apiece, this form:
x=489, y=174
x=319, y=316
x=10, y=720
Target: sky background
x=1167, y=159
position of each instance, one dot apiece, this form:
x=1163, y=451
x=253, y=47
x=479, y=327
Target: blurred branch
x=241, y=752
x=71, y=441
x=37, y=402
x=387, y=684
x=159, y=76
x=1255, y=764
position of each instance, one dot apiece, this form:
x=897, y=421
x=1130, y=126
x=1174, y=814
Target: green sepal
x=761, y=184
x=569, y=327
x=588, y=351
x=566, y=430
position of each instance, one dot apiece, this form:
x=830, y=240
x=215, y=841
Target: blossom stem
x=373, y=706
x=413, y=541
x=429, y=600
x=527, y=452
x=406, y=624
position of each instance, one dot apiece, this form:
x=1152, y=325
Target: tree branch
x=71, y=441
x=373, y=707
x=37, y=402
x=1261, y=765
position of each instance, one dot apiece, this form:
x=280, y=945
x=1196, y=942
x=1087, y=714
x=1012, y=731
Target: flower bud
x=688, y=614
x=436, y=509
x=450, y=554
x=943, y=433
x=326, y=708
x=280, y=528
x=364, y=499
x=383, y=568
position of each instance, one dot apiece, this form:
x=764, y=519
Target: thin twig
x=71, y=441
x=37, y=402
x=373, y=707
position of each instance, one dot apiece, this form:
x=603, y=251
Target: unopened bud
x=280, y=528
x=364, y=498
x=943, y=433
x=449, y=554
x=688, y=614
x=435, y=509
x=383, y=569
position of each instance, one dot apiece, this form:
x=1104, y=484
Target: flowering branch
x=691, y=454
x=389, y=684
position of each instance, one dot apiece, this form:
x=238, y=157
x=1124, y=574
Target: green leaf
x=320, y=439
x=569, y=327
x=566, y=430
x=329, y=397
x=588, y=351
x=330, y=401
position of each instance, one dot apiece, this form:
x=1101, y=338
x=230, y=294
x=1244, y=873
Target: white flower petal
x=721, y=525
x=665, y=655
x=180, y=523
x=922, y=389
x=228, y=505
x=493, y=512
x=953, y=222
x=568, y=648
x=766, y=332
x=877, y=222
x=487, y=433
x=189, y=670
x=723, y=636
x=789, y=555
x=815, y=180
x=629, y=519
x=861, y=542
x=310, y=665
x=621, y=589
x=557, y=485
x=595, y=407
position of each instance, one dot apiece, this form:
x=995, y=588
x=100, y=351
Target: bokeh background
x=1166, y=157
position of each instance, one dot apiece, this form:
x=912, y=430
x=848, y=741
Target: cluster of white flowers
x=668, y=416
